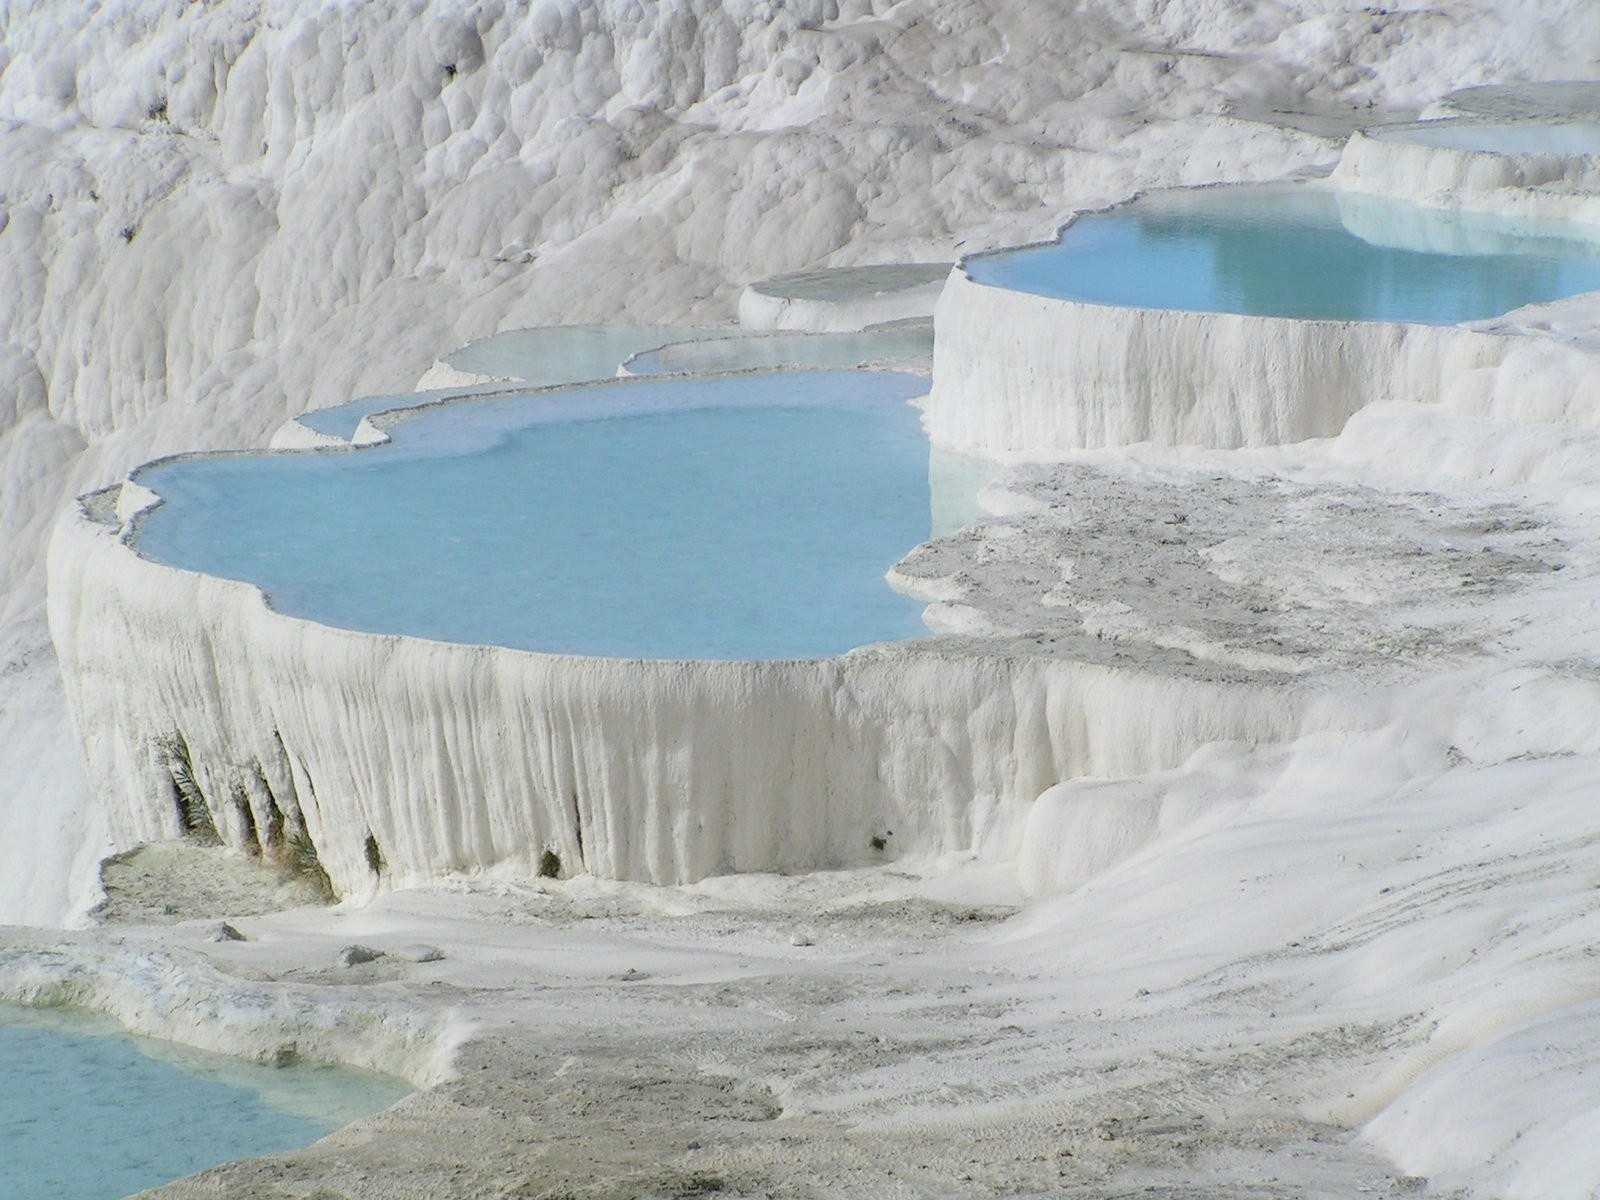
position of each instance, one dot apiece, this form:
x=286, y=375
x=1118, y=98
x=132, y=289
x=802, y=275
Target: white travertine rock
x=1016, y=373
x=457, y=758
x=1540, y=183
x=443, y=375
x=218, y=216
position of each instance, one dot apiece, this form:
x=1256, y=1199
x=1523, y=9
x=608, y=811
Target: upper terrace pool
x=1503, y=137
x=744, y=517
x=1303, y=251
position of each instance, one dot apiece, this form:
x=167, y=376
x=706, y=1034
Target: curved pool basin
x=1301, y=251
x=745, y=517
x=90, y=1113
x=904, y=344
x=1502, y=137
x=556, y=354
x=548, y=356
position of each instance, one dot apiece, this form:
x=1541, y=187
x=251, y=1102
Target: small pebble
x=420, y=954
x=227, y=933
x=800, y=939
x=632, y=976
x=352, y=956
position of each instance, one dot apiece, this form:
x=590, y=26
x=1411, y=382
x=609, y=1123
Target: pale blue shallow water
x=84, y=1115
x=568, y=353
x=743, y=518
x=545, y=357
x=341, y=420
x=1287, y=250
x=1570, y=138
x=895, y=345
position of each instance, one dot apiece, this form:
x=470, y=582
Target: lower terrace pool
x=1302, y=251
x=88, y=1113
x=742, y=517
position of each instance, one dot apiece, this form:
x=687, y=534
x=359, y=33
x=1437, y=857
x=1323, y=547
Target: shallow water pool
x=736, y=518
x=1566, y=138
x=897, y=345
x=87, y=1113
x=567, y=353
x=1305, y=251
x=544, y=357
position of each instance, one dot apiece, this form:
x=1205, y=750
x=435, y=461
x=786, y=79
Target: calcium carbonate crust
x=178, y=996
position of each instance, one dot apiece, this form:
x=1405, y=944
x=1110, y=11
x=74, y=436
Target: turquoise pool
x=736, y=518
x=568, y=353
x=1305, y=251
x=90, y=1114
x=1565, y=138
x=896, y=345
x=546, y=357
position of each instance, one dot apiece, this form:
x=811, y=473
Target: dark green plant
x=300, y=860
x=172, y=751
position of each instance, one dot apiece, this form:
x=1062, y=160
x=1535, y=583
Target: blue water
x=546, y=357
x=341, y=420
x=745, y=518
x=901, y=344
x=1286, y=250
x=1566, y=138
x=567, y=353
x=86, y=1116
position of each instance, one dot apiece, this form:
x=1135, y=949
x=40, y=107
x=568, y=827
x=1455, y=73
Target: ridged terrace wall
x=459, y=758
x=1017, y=373
x=1550, y=185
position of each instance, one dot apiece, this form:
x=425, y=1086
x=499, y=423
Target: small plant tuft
x=550, y=865
x=694, y=1185
x=301, y=861
x=375, y=862
x=157, y=110
x=172, y=752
